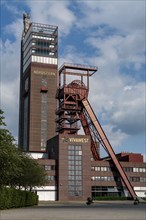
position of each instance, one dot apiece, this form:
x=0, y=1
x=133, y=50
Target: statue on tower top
x=26, y=23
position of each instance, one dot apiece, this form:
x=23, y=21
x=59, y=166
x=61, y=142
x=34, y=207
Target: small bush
x=31, y=199
x=14, y=198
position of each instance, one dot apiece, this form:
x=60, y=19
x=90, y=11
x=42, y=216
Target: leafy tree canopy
x=17, y=169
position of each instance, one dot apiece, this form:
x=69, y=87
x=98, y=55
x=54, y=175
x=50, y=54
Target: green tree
x=9, y=157
x=32, y=173
x=17, y=168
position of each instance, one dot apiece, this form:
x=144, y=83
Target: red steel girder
x=87, y=131
x=108, y=147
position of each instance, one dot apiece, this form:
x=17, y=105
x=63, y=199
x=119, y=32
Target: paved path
x=78, y=211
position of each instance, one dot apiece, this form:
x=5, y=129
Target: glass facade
x=40, y=41
x=75, y=170
x=106, y=191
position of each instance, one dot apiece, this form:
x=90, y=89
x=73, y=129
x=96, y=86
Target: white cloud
x=10, y=70
x=119, y=101
x=126, y=16
x=130, y=110
x=115, y=137
x=119, y=50
x=15, y=29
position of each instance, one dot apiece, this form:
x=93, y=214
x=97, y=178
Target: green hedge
x=14, y=198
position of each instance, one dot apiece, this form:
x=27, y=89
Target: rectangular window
x=52, y=178
x=47, y=167
x=74, y=170
x=135, y=169
x=102, y=178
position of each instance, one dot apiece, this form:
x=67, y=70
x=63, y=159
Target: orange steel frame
x=74, y=106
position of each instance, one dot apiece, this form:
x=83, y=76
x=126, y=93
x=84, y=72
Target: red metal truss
x=105, y=142
x=94, y=141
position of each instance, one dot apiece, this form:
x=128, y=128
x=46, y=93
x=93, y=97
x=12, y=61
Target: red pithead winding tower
x=74, y=107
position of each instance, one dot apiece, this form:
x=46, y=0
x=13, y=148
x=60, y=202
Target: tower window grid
x=75, y=170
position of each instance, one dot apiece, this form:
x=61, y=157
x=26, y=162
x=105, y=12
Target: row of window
x=50, y=178
x=43, y=52
x=75, y=157
x=117, y=179
x=49, y=167
x=102, y=178
x=74, y=162
x=126, y=169
x=73, y=152
x=43, y=37
x=47, y=60
x=77, y=188
x=139, y=169
x=137, y=179
x=39, y=59
x=75, y=183
x=74, y=172
x=75, y=167
x=43, y=44
x=95, y=168
x=72, y=177
x=74, y=148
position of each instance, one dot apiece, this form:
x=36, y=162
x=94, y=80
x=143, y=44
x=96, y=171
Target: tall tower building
x=38, y=85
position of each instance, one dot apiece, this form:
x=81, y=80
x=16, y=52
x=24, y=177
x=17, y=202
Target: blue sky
x=108, y=34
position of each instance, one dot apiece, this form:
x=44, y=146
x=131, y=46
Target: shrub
x=14, y=198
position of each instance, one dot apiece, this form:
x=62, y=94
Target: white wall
x=140, y=191
x=46, y=193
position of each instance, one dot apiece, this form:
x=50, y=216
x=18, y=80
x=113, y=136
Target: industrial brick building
x=52, y=110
